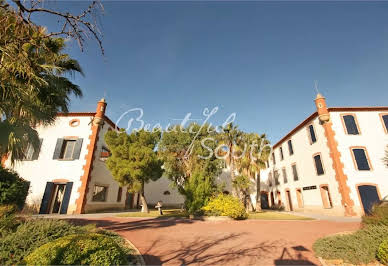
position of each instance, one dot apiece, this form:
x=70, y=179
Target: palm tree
x=232, y=138
x=253, y=161
x=34, y=84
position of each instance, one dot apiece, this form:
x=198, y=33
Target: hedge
x=13, y=188
x=83, y=249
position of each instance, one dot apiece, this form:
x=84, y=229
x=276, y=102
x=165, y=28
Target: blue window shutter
x=77, y=149
x=35, y=156
x=66, y=198
x=44, y=206
x=58, y=149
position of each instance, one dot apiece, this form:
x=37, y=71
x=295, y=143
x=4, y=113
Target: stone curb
x=138, y=255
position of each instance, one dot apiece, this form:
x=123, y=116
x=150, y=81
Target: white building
x=331, y=163
x=68, y=173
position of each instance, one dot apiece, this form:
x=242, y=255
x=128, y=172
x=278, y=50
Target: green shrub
x=32, y=234
x=8, y=221
x=13, y=189
x=84, y=249
x=357, y=248
x=379, y=216
x=226, y=205
x=382, y=252
x=197, y=191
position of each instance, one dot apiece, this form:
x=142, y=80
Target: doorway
x=288, y=196
x=264, y=200
x=368, y=196
x=326, y=198
x=299, y=197
x=272, y=199
x=57, y=200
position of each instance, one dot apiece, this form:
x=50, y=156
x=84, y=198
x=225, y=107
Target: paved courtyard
x=172, y=241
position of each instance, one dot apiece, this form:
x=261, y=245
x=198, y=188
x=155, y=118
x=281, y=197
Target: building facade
x=68, y=174
x=332, y=162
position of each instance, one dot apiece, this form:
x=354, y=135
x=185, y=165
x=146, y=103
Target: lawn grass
x=276, y=215
x=155, y=213
x=264, y=215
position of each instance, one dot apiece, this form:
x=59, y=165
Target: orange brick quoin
x=344, y=190
x=88, y=167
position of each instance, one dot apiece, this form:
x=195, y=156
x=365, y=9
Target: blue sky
x=257, y=59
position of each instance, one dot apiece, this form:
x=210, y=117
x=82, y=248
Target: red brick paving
x=249, y=242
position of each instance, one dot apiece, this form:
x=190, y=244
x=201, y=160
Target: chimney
x=100, y=112
x=323, y=113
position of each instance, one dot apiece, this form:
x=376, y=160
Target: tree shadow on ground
x=217, y=248
x=138, y=224
x=294, y=256
x=227, y=249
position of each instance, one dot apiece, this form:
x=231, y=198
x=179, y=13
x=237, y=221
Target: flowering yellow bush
x=226, y=205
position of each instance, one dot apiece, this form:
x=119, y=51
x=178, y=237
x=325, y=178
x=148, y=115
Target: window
x=318, y=164
x=30, y=154
x=99, y=193
x=270, y=179
x=281, y=153
x=68, y=149
x=295, y=172
x=284, y=175
x=350, y=124
x=273, y=159
x=361, y=159
x=384, y=119
x=313, y=138
x=119, y=194
x=276, y=174
x=290, y=148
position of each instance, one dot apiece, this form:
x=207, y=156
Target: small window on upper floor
x=313, y=137
x=318, y=164
x=284, y=175
x=290, y=148
x=30, y=153
x=361, y=159
x=273, y=158
x=281, y=154
x=350, y=125
x=67, y=149
x=276, y=177
x=295, y=172
x=384, y=119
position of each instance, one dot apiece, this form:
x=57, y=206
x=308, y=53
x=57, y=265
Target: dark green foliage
x=32, y=234
x=13, y=189
x=359, y=247
x=382, y=252
x=226, y=205
x=197, y=191
x=379, y=216
x=84, y=249
x=34, y=84
x=134, y=160
x=8, y=221
x=181, y=150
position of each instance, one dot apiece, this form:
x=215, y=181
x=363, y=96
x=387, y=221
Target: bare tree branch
x=77, y=27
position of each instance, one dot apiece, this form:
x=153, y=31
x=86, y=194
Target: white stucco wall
x=374, y=138
x=303, y=157
x=154, y=192
x=45, y=169
x=100, y=175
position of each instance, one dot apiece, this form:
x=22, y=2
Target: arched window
x=350, y=125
